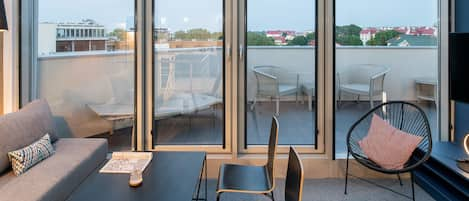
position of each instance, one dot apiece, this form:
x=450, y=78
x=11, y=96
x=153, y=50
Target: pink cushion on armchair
x=387, y=146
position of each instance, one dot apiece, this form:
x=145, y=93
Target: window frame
x=226, y=146
x=444, y=114
x=319, y=146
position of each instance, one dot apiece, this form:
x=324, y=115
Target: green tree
x=310, y=36
x=181, y=35
x=298, y=40
x=348, y=30
x=349, y=40
x=259, y=39
x=348, y=35
x=119, y=33
x=382, y=38
x=216, y=36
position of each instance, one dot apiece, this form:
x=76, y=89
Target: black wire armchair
x=404, y=116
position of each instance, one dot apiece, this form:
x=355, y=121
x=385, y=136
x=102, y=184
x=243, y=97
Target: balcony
x=73, y=82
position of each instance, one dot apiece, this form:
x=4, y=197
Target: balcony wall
x=406, y=64
x=70, y=81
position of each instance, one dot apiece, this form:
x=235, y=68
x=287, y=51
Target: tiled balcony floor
x=296, y=126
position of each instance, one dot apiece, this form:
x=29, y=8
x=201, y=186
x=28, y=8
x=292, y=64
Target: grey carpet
x=333, y=190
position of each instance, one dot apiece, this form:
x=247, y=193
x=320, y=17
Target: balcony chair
x=404, y=116
x=251, y=179
x=362, y=80
x=274, y=82
x=295, y=177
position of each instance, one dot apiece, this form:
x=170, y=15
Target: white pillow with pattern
x=25, y=158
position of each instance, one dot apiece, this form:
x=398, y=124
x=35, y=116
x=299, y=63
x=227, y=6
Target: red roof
x=280, y=32
x=368, y=31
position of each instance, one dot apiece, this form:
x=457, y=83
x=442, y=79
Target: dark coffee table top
x=171, y=176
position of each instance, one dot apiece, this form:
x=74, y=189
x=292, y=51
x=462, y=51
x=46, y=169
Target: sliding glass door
x=279, y=55
x=387, y=52
x=81, y=60
x=188, y=72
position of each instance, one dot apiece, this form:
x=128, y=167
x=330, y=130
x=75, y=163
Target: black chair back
x=273, y=140
x=295, y=177
x=402, y=115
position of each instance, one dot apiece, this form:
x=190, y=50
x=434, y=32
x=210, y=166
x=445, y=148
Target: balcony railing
x=70, y=81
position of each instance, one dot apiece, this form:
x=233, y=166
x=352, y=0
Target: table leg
x=113, y=124
x=204, y=169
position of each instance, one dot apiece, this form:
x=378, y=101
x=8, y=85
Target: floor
x=333, y=190
x=296, y=126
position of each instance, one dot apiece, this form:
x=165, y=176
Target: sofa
x=54, y=178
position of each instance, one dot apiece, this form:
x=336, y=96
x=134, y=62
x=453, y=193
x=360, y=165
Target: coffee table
x=171, y=176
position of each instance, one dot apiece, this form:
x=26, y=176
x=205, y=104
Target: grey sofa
x=55, y=178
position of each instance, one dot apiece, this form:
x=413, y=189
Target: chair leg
x=346, y=173
x=218, y=196
x=253, y=103
x=272, y=193
x=400, y=180
x=340, y=99
x=412, y=182
x=277, y=106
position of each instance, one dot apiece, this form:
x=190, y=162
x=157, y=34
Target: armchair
x=274, y=82
x=362, y=80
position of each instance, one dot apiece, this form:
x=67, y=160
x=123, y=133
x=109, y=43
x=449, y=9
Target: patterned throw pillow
x=27, y=157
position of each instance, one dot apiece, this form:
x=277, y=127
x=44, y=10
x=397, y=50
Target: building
x=413, y=40
x=281, y=37
x=86, y=35
x=367, y=34
x=417, y=31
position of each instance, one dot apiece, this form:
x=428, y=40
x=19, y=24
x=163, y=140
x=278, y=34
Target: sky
x=298, y=15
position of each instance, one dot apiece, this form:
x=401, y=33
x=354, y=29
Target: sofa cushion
x=46, y=122
x=25, y=158
x=24, y=127
x=56, y=177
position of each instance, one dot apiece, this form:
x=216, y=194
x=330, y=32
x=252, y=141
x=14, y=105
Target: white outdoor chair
x=362, y=80
x=274, y=82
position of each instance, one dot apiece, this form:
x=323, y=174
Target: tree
x=119, y=33
x=198, y=34
x=382, y=38
x=181, y=35
x=259, y=39
x=348, y=35
x=298, y=40
x=311, y=36
x=349, y=40
x=348, y=30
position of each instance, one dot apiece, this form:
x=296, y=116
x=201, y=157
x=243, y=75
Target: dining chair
x=236, y=178
x=295, y=177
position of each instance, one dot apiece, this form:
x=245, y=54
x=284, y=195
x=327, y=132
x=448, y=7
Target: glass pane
x=388, y=55
x=85, y=68
x=188, y=72
x=281, y=71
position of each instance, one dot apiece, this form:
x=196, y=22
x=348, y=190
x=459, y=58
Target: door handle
x=241, y=52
